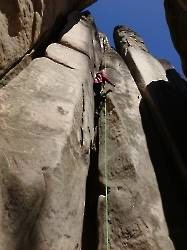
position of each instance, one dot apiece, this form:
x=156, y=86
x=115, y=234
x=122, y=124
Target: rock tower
x=57, y=191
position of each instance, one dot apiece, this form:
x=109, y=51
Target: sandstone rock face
x=104, y=42
x=143, y=66
x=135, y=214
x=46, y=131
x=177, y=22
x=162, y=111
x=146, y=69
x=23, y=22
x=45, y=156
x=73, y=39
x=125, y=37
x=58, y=160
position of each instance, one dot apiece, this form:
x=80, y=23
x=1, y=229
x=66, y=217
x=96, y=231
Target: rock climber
x=99, y=86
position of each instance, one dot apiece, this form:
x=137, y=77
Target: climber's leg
x=97, y=89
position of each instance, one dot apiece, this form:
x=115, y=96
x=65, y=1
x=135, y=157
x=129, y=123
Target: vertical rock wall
x=162, y=110
x=46, y=131
x=135, y=214
x=57, y=160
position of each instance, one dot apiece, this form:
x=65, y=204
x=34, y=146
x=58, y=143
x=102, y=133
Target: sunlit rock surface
x=45, y=161
x=58, y=160
x=135, y=214
x=176, y=17
x=46, y=126
x=162, y=112
x=75, y=40
x=22, y=22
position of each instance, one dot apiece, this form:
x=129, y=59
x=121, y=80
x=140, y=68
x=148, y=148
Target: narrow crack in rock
x=94, y=188
x=36, y=51
x=83, y=109
x=74, y=48
x=45, y=183
x=63, y=64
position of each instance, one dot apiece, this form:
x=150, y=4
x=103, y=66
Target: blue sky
x=146, y=17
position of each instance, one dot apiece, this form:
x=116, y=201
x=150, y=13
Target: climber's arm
x=105, y=78
x=109, y=82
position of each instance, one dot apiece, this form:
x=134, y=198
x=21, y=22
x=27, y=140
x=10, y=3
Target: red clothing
x=101, y=77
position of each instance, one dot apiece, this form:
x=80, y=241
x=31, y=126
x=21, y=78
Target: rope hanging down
x=106, y=187
x=106, y=180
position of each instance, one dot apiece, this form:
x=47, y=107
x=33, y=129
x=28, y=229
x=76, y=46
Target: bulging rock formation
x=47, y=127
x=134, y=55
x=22, y=22
x=162, y=89
x=134, y=202
x=73, y=180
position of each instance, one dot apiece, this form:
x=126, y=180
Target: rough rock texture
x=136, y=218
x=38, y=50
x=46, y=126
x=133, y=50
x=73, y=39
x=44, y=166
x=145, y=69
x=176, y=18
x=163, y=116
x=103, y=41
x=52, y=154
x=22, y=22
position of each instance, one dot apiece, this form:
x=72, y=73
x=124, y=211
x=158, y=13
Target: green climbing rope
x=106, y=186
x=106, y=178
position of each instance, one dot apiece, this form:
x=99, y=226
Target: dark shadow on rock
x=11, y=10
x=73, y=19
x=38, y=49
x=21, y=206
x=50, y=36
x=34, y=239
x=171, y=101
x=94, y=188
